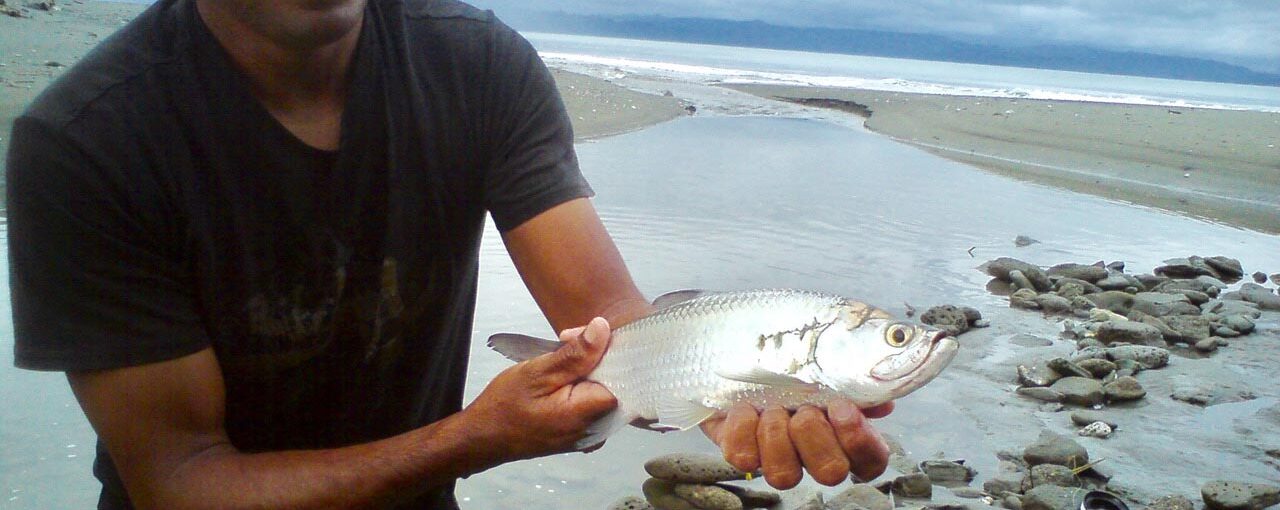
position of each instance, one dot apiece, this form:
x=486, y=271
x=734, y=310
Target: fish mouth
x=940, y=345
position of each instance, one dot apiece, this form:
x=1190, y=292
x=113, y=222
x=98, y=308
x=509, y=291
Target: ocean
x=737, y=202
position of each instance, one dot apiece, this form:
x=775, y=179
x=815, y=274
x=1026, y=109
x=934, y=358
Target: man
x=248, y=232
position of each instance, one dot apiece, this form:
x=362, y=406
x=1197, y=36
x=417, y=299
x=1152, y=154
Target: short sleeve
x=92, y=288
x=532, y=164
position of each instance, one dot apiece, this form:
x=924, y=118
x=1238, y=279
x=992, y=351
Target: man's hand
x=543, y=405
x=829, y=445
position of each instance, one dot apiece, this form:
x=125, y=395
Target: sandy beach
x=1220, y=165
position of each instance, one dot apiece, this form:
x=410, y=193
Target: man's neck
x=301, y=83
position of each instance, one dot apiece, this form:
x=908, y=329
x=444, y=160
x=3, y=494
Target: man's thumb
x=575, y=359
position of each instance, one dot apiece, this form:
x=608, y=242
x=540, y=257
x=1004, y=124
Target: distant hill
x=758, y=34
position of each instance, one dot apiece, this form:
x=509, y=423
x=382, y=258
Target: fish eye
x=897, y=335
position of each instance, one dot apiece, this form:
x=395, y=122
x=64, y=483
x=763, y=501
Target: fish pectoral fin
x=603, y=427
x=765, y=377
x=517, y=347
x=682, y=414
x=673, y=298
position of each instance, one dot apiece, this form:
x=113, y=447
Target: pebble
x=631, y=503
x=708, y=497
x=1149, y=357
x=1259, y=277
x=752, y=498
x=1130, y=332
x=1124, y=389
x=1188, y=329
x=915, y=485
x=1089, y=273
x=1081, y=391
x=1012, y=502
x=860, y=496
x=661, y=494
x=1096, y=429
x=1098, y=368
x=1053, y=303
x=1020, y=280
x=1004, y=483
x=692, y=468
x=1228, y=495
x=948, y=317
x=1001, y=267
x=1240, y=323
x=1085, y=417
x=941, y=471
x=1207, y=345
x=1052, y=497
x=1052, y=448
x=1067, y=368
x=1024, y=298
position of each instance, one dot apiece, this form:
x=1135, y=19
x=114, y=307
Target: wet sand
x=1214, y=164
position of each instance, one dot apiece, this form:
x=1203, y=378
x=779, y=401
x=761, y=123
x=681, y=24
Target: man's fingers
x=818, y=447
x=868, y=454
x=574, y=360
x=778, y=457
x=879, y=411
x=738, y=437
x=591, y=399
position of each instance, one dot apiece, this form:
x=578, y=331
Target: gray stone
x=862, y=496
x=1228, y=495
x=1050, y=474
x=1012, y=502
x=1239, y=323
x=1082, y=418
x=1188, y=329
x=1089, y=353
x=708, y=497
x=752, y=498
x=1147, y=356
x=1022, y=241
x=1231, y=307
x=1207, y=345
x=1150, y=281
x=1256, y=294
x=915, y=485
x=1067, y=368
x=1024, y=298
x=1081, y=305
x=1129, y=332
x=1088, y=273
x=1025, y=340
x=1223, y=332
x=1124, y=389
x=1158, y=304
x=1189, y=267
x=1041, y=394
x=1004, y=483
x=1117, y=282
x=1037, y=375
x=1130, y=365
x=944, y=471
x=1052, y=497
x=1081, y=391
x=1213, y=282
x=1275, y=278
x=947, y=317
x=1113, y=300
x=692, y=468
x=1227, y=268
x=631, y=503
x=1259, y=277
x=1069, y=290
x=1020, y=280
x=1051, y=448
x=811, y=502
x=968, y=492
x=1171, y=503
x=662, y=495
x=1098, y=368
x=1208, y=393
x=1206, y=285
x=1085, y=287
x=1001, y=267
x=1053, y=303
x=1196, y=297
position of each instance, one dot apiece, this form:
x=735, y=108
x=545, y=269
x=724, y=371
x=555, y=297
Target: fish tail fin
x=517, y=347
x=603, y=427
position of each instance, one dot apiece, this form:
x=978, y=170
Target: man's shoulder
x=446, y=9
x=115, y=64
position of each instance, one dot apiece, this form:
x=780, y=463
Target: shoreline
x=1217, y=165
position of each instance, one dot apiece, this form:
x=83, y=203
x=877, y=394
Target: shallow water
x=733, y=203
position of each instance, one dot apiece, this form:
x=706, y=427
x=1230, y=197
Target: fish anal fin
x=673, y=298
x=603, y=427
x=765, y=377
x=517, y=347
x=680, y=414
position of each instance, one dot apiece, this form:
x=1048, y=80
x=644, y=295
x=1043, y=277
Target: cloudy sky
x=1245, y=32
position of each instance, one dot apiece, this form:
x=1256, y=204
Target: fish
x=702, y=352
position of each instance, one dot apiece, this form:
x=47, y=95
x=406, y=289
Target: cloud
x=1238, y=31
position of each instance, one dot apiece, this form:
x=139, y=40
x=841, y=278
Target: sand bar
x=1220, y=165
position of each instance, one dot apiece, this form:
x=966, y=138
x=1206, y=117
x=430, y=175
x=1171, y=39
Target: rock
x=947, y=317
x=1086, y=287
x=1081, y=391
x=1207, y=393
x=1112, y=300
x=1231, y=307
x=1053, y=303
x=1053, y=448
x=1041, y=394
x=1171, y=503
x=1221, y=332
x=1227, y=268
x=1001, y=267
x=1156, y=322
x=1187, y=329
x=1117, y=266
x=945, y=471
x=1129, y=365
x=1050, y=474
x=1190, y=267
x=1124, y=389
x=1024, y=298
x=1158, y=304
x=12, y=12
x=1023, y=241
x=1089, y=353
x=1037, y=375
x=968, y=492
x=1256, y=294
x=1067, y=368
x=44, y=5
x=902, y=464
x=1150, y=281
x=708, y=497
x=1025, y=340
x=661, y=494
x=692, y=468
x=1084, y=418
x=1259, y=277
x=915, y=485
x=1020, y=280
x=1147, y=356
x=1096, y=429
x=1196, y=297
x=1012, y=502
x=1239, y=323
x=1088, y=273
x=1080, y=304
x=860, y=496
x=811, y=502
x=1275, y=278
x=1098, y=368
x=1069, y=290
x=1207, y=345
x=1129, y=332
x=1118, y=282
x=1226, y=495
x=1053, y=497
x=631, y=503
x=1004, y=483
x=752, y=498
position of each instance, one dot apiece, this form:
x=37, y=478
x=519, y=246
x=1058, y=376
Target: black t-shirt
x=156, y=209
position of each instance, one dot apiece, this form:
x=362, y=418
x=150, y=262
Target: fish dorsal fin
x=517, y=347
x=682, y=414
x=757, y=375
x=673, y=298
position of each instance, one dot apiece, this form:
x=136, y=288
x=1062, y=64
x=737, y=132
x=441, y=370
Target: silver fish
x=703, y=352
